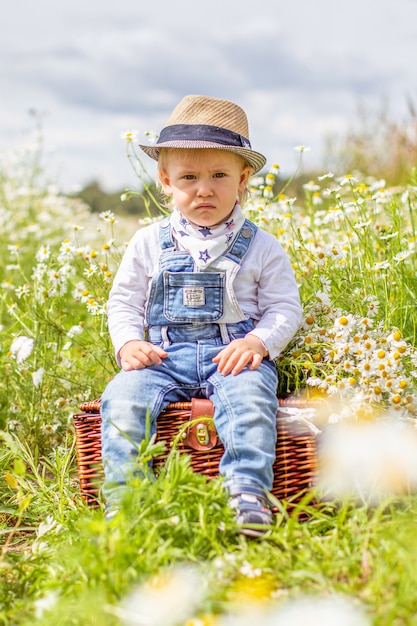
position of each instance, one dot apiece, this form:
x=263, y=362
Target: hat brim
x=255, y=159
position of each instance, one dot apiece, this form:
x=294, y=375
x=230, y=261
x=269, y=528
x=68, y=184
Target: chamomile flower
x=91, y=270
x=362, y=225
x=247, y=569
x=130, y=135
x=370, y=459
x=49, y=429
x=401, y=256
x=324, y=176
x=323, y=297
x=373, y=306
x=108, y=216
x=311, y=186
x=335, y=213
x=345, y=322
x=107, y=245
x=45, y=603
x=67, y=248
x=348, y=179
x=75, y=330
x=14, y=248
x=22, y=291
x=22, y=348
x=316, y=198
x=151, y=136
x=43, y=253
x=169, y=599
x=381, y=196
x=381, y=265
x=37, y=376
x=348, y=365
x=377, y=184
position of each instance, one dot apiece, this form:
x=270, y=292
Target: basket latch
x=201, y=435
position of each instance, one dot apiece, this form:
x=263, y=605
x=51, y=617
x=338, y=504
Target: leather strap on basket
x=201, y=435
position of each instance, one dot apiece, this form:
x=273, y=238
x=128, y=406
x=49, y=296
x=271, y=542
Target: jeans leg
x=133, y=397
x=128, y=401
x=245, y=418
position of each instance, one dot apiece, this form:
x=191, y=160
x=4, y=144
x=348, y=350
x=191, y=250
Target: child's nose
x=205, y=188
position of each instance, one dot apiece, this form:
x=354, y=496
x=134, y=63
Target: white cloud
x=97, y=68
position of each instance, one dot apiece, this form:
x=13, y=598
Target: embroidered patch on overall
x=193, y=296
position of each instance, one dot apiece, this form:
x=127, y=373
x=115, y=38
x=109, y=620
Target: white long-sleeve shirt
x=264, y=286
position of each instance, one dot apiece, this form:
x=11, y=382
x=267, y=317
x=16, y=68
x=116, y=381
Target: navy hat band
x=203, y=132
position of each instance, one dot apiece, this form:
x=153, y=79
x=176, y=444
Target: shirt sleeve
x=278, y=300
x=129, y=293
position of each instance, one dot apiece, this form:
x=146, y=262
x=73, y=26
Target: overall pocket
x=193, y=297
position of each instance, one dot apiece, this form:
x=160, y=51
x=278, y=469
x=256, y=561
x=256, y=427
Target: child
x=201, y=305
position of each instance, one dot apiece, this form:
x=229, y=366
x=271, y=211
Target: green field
x=173, y=555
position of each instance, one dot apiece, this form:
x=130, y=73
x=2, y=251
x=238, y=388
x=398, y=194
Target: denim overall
x=192, y=315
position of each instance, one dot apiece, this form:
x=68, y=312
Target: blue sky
x=94, y=69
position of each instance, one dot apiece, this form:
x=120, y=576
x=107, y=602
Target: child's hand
x=137, y=354
x=239, y=353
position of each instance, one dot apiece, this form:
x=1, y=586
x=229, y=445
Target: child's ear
x=245, y=174
x=165, y=182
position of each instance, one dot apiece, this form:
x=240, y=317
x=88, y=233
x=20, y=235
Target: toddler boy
x=202, y=304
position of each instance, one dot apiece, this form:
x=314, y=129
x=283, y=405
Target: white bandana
x=206, y=244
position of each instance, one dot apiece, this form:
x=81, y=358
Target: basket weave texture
x=296, y=452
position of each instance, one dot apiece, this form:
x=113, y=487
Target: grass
x=86, y=567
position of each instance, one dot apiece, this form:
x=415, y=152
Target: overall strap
x=165, y=237
x=242, y=242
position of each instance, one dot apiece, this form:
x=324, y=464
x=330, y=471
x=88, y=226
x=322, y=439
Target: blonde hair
x=196, y=154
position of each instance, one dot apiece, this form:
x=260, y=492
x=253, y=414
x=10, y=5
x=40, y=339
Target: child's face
x=204, y=183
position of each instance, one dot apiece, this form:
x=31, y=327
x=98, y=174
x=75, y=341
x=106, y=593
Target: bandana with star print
x=206, y=243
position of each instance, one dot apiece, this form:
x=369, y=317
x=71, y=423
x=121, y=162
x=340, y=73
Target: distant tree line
x=99, y=200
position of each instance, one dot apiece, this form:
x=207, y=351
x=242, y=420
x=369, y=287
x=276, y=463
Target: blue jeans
x=245, y=411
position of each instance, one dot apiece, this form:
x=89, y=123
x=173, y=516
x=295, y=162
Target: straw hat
x=204, y=122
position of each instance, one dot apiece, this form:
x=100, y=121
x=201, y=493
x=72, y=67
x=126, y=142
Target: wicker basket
x=294, y=468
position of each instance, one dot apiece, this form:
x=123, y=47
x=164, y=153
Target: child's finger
x=233, y=363
x=222, y=359
x=150, y=354
x=161, y=352
x=256, y=361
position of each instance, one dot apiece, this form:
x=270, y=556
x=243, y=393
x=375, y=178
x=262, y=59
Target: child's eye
x=189, y=176
x=219, y=175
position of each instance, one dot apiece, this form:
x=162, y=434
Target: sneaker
x=252, y=511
